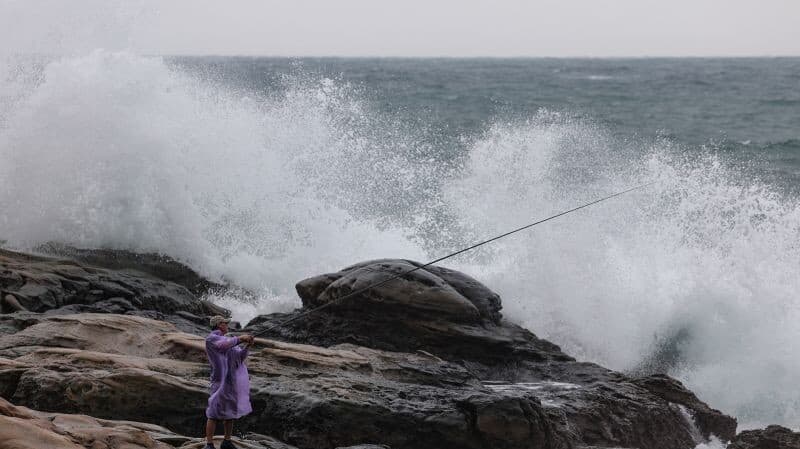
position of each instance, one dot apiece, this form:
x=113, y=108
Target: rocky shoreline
x=104, y=349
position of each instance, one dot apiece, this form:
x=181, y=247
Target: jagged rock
x=710, y=421
x=157, y=265
x=138, y=369
x=591, y=404
x=429, y=364
x=773, y=437
x=58, y=286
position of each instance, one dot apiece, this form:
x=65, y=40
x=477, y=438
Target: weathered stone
x=22, y=428
x=772, y=437
x=125, y=367
x=588, y=403
x=426, y=363
x=420, y=292
x=424, y=312
x=57, y=286
x=710, y=421
x=156, y=265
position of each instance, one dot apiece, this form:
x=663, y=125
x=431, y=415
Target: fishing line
x=397, y=276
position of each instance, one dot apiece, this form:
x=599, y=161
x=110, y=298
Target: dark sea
x=745, y=108
x=264, y=171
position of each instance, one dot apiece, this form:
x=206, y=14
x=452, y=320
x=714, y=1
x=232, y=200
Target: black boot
x=227, y=444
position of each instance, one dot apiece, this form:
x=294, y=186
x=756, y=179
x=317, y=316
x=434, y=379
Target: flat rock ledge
x=24, y=428
x=100, y=354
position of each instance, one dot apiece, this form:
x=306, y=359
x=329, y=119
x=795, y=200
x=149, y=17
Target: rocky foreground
x=103, y=349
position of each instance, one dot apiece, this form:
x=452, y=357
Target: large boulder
x=433, y=309
x=429, y=312
x=425, y=292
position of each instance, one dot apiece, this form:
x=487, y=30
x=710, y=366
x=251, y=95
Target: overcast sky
x=476, y=27
x=409, y=27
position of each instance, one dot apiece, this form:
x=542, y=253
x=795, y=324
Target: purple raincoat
x=230, y=383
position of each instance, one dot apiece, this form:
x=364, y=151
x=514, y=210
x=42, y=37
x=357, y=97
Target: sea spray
x=118, y=150
x=704, y=261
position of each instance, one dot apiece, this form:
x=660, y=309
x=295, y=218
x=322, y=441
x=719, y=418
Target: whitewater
x=696, y=275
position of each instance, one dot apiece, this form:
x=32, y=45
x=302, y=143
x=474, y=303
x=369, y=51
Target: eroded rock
x=594, y=406
x=61, y=286
x=156, y=265
x=23, y=428
x=115, y=366
x=426, y=362
x=772, y=437
x=430, y=291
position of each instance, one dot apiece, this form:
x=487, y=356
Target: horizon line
x=324, y=56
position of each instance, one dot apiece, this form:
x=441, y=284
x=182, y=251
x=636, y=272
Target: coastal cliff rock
x=427, y=361
x=24, y=428
x=156, y=265
x=139, y=369
x=772, y=437
x=431, y=291
x=596, y=405
x=54, y=286
x=434, y=309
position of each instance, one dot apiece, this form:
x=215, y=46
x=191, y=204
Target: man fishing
x=230, y=383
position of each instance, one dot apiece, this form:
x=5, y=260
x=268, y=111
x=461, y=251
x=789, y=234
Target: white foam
x=118, y=150
x=714, y=443
x=548, y=392
x=704, y=251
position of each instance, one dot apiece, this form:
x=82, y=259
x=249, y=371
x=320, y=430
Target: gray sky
x=477, y=28
x=407, y=27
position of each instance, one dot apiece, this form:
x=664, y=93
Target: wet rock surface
x=772, y=437
x=24, y=428
x=134, y=368
x=586, y=403
x=162, y=267
x=427, y=361
x=436, y=310
x=54, y=286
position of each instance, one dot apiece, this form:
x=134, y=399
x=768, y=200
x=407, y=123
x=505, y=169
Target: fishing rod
x=506, y=234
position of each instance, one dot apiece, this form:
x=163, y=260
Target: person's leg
x=228, y=428
x=211, y=426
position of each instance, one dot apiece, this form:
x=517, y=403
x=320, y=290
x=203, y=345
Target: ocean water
x=261, y=172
